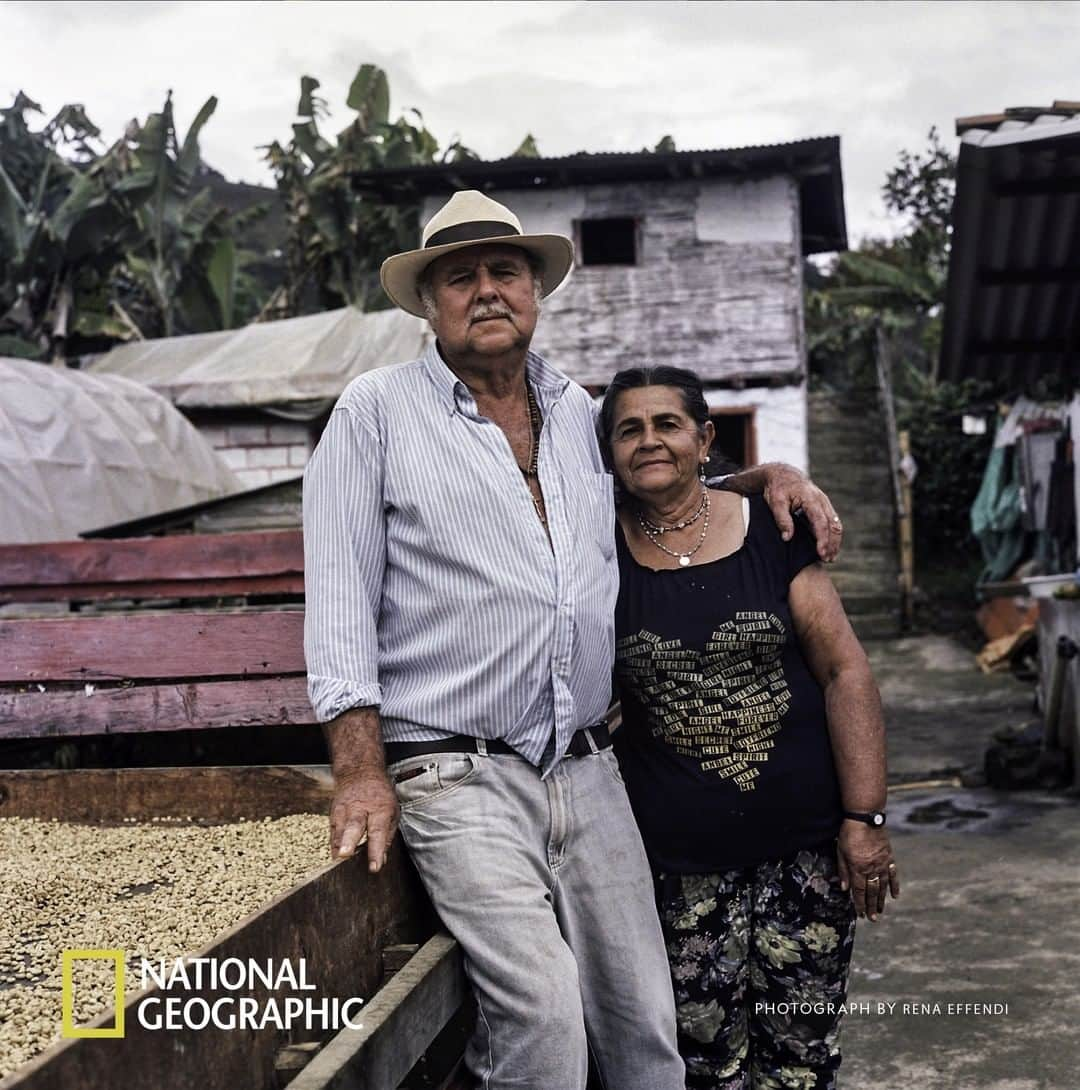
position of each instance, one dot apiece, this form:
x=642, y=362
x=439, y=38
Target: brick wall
x=261, y=453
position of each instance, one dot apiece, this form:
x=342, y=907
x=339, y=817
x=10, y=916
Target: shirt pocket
x=598, y=511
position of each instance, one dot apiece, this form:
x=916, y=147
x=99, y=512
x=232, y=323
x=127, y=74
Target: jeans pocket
x=425, y=779
x=611, y=763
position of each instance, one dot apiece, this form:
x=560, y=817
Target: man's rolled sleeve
x=344, y=559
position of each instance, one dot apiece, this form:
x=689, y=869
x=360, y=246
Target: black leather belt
x=466, y=743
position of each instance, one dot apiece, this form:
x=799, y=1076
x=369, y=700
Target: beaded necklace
x=653, y=533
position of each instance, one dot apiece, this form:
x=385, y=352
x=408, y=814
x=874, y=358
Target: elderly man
x=459, y=647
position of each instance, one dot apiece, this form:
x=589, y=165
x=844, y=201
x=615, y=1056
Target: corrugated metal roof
x=1013, y=298
x=815, y=162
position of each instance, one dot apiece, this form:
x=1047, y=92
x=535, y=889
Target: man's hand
x=365, y=806
x=787, y=491
x=867, y=868
x=364, y=811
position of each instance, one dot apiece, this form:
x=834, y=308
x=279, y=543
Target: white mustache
x=482, y=312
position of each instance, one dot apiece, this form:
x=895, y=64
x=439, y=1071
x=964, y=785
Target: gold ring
x=874, y=879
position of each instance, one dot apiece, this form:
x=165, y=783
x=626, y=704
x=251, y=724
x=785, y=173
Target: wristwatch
x=873, y=817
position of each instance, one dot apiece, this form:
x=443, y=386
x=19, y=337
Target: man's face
x=485, y=300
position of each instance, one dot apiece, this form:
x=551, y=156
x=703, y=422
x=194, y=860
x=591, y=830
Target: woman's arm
x=856, y=730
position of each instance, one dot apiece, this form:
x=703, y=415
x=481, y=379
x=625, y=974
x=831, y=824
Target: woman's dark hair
x=686, y=382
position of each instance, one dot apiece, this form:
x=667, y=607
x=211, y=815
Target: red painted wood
x=153, y=559
x=210, y=793
x=188, y=588
x=191, y=706
x=153, y=645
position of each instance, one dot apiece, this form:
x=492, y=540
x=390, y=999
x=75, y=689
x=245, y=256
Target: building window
x=735, y=445
x=608, y=241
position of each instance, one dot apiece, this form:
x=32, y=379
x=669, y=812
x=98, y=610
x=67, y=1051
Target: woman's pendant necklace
x=653, y=534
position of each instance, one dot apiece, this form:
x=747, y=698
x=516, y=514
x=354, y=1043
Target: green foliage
x=951, y=464
x=527, y=149
x=896, y=284
x=98, y=246
x=339, y=235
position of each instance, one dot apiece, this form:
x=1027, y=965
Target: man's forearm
x=754, y=480
x=355, y=742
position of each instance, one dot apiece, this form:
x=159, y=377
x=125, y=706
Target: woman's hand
x=867, y=868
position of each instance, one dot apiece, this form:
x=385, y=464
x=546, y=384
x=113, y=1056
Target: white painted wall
x=541, y=211
x=779, y=420
x=748, y=211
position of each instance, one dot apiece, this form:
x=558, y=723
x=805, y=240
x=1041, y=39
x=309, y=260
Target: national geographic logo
x=169, y=1008
x=67, y=993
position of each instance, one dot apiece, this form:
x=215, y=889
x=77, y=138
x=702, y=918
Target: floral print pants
x=759, y=958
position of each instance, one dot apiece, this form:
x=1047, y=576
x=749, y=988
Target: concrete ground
x=980, y=956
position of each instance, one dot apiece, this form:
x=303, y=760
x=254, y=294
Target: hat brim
x=400, y=272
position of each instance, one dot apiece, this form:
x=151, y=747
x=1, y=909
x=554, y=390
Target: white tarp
x=293, y=360
x=82, y=451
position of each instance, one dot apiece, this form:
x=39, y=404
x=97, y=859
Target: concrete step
x=870, y=605
x=859, y=582
x=876, y=626
x=876, y=550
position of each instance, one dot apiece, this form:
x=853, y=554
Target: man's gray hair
x=426, y=290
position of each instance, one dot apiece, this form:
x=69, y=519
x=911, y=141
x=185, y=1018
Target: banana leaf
x=221, y=276
x=369, y=96
x=14, y=230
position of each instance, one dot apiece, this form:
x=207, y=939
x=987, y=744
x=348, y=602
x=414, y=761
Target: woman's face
x=656, y=448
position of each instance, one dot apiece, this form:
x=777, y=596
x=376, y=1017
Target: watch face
x=878, y=818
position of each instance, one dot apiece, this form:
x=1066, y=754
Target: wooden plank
x=338, y=920
x=104, y=795
x=399, y=1024
x=153, y=645
x=189, y=588
x=61, y=713
x=150, y=559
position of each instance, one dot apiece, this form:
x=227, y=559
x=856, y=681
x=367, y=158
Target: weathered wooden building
x=688, y=258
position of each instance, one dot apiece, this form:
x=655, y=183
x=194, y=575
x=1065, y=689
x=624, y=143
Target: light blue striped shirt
x=431, y=588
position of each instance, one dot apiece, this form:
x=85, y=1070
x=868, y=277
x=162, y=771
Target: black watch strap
x=876, y=818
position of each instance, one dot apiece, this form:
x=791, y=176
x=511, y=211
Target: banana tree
x=338, y=238
x=103, y=246
x=184, y=266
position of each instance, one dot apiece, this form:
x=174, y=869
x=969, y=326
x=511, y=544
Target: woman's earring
x=701, y=473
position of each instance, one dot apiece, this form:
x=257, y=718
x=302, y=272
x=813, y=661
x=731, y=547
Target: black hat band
x=473, y=231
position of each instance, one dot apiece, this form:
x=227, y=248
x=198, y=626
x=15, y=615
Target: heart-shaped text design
x=722, y=706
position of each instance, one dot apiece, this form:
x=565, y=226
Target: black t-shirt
x=724, y=744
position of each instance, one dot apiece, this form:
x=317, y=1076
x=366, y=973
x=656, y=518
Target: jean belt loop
x=481, y=747
x=593, y=747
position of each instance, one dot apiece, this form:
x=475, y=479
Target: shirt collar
x=548, y=382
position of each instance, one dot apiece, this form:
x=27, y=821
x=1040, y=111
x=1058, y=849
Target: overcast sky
x=592, y=76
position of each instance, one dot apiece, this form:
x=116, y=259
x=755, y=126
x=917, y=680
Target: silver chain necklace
x=657, y=529
x=653, y=534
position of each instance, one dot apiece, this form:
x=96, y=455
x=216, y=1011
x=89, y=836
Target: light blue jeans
x=545, y=885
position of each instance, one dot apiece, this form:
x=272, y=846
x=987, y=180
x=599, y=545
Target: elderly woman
x=752, y=748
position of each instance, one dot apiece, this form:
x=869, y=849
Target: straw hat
x=469, y=219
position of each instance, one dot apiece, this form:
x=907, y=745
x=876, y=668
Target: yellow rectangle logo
x=67, y=960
